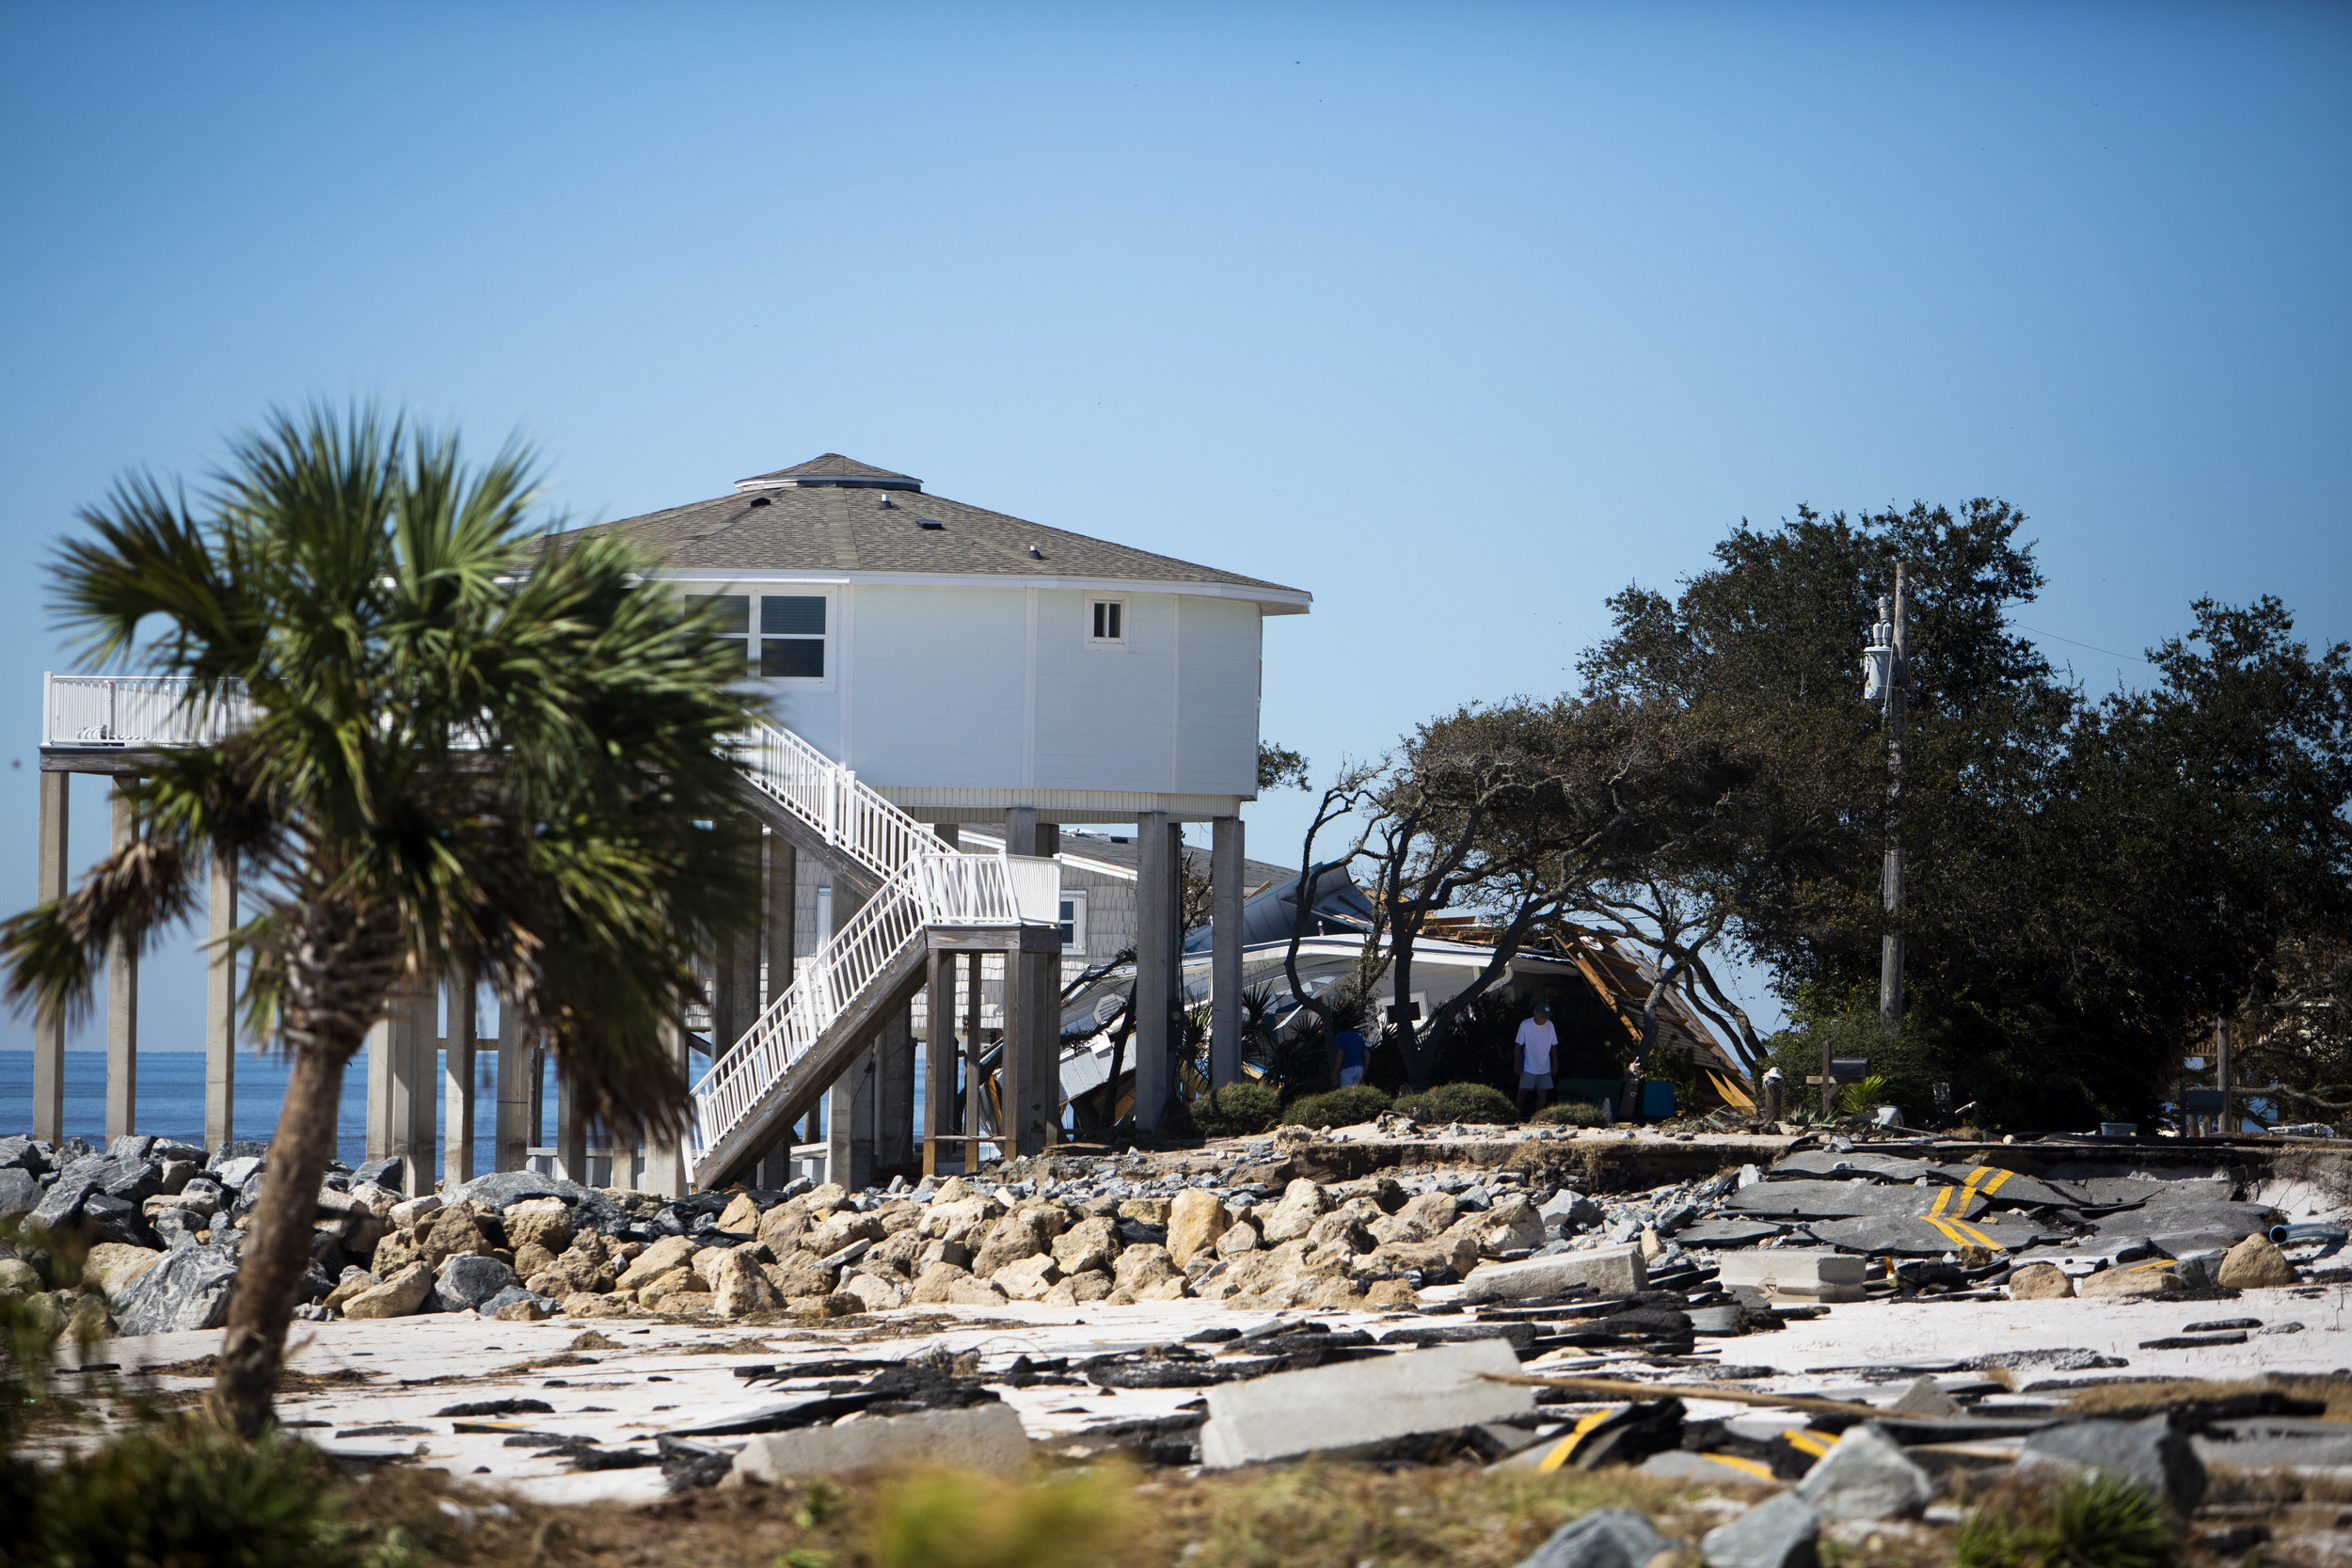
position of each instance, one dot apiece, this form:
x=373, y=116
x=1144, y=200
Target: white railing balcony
x=989, y=890
x=132, y=711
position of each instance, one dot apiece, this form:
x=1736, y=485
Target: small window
x=733, y=612
x=1110, y=617
x=792, y=636
x=1074, y=924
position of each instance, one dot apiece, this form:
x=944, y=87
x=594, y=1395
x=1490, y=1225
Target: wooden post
x=122, y=994
x=894, y=1090
x=1225, y=876
x=220, y=1002
x=973, y=1086
x=1013, y=1086
x=457, y=1052
x=1155, y=881
x=49, y=885
x=517, y=1089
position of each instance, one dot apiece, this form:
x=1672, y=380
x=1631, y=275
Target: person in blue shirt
x=1351, y=1046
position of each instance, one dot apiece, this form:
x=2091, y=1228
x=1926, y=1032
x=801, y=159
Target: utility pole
x=1891, y=888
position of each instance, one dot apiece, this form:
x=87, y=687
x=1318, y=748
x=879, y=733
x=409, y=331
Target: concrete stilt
x=571, y=1130
x=1015, y=1080
x=49, y=885
x=1225, y=893
x=781, y=927
x=518, y=1089
x=122, y=994
x=220, y=1002
x=1156, y=886
x=849, y=1123
x=894, y=1092
x=1045, y=1017
x=457, y=1054
x=666, y=1158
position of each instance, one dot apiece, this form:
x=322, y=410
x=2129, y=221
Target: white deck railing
x=923, y=883
x=131, y=710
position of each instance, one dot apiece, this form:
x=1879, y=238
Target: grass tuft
x=956, y=1519
x=2090, y=1519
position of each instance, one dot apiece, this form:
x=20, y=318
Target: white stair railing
x=924, y=884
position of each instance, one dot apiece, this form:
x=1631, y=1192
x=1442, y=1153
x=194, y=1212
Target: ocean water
x=171, y=1099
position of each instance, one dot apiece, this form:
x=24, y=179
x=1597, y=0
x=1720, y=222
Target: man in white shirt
x=1539, y=1043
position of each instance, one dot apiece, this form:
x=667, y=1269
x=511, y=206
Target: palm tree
x=463, y=749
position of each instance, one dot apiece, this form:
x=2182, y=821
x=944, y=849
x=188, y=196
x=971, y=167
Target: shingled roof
x=833, y=514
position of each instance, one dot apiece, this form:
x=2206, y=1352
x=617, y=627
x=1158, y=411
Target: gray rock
x=239, y=1170
x=2149, y=1451
x=590, y=1209
x=383, y=1172
x=130, y=1146
x=1779, y=1532
x=238, y=1148
x=108, y=1218
x=514, y=1293
x=20, y=1191
x=1867, y=1475
x=164, y=1149
x=20, y=1153
x=188, y=1290
x=133, y=1181
x=1605, y=1538
x=176, y=1229
x=62, y=1203
x=467, y=1281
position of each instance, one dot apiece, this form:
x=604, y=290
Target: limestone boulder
x=801, y=1272
x=455, y=1232
x=1194, y=1220
x=354, y=1282
x=954, y=1217
x=395, y=1252
x=397, y=1297
x=1303, y=1203
x=1511, y=1226
x=1341, y=1229
x=655, y=1293
x=112, y=1267
x=543, y=1222
x=586, y=1303
x=899, y=1251
x=670, y=1252
x=782, y=1226
x=409, y=1213
x=532, y=1259
x=1146, y=1210
x=932, y=1285
x=1028, y=1279
x=2039, y=1282
x=2130, y=1282
x=738, y=1286
x=1143, y=1266
x=975, y=1293
x=1240, y=1237
x=1088, y=1246
x=1014, y=1237
x=839, y=1229
x=18, y=1277
x=740, y=1215
x=875, y=1293
x=2254, y=1264
x=943, y=1251
x=823, y=1200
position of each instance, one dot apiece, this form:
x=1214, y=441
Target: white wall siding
x=1217, y=721
x=938, y=685
x=1104, y=710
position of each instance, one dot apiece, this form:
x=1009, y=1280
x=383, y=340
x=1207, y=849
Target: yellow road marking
x=1995, y=1186
x=1566, y=1446
x=1943, y=1196
x=1805, y=1440
x=1761, y=1471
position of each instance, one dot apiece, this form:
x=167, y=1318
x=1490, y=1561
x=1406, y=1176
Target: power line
x=2092, y=646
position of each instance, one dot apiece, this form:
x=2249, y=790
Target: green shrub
x=1176, y=1118
x=1237, y=1110
x=2090, y=1519
x=1481, y=1102
x=184, y=1490
x=1569, y=1113
x=1336, y=1108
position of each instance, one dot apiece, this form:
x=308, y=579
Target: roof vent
x=932, y=523
x=1036, y=554
x=759, y=501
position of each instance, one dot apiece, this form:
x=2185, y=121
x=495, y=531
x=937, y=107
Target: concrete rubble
x=1355, y=1294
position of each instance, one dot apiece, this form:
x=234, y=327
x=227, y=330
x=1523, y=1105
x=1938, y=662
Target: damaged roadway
x=1910, y=1313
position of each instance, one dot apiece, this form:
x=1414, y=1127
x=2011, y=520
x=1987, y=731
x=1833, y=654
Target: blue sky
x=1460, y=316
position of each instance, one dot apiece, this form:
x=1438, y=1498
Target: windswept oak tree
x=462, y=751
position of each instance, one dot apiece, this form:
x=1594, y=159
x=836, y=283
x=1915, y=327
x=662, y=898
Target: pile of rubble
x=165, y=1222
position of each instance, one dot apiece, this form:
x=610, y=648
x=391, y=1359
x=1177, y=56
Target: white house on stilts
x=929, y=665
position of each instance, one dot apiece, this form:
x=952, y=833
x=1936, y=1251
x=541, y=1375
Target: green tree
x=463, y=750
